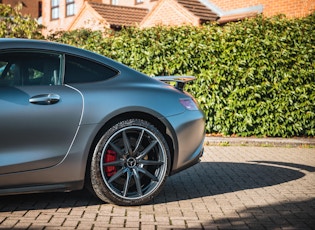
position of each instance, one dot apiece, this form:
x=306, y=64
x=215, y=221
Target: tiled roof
x=236, y=17
x=199, y=9
x=120, y=15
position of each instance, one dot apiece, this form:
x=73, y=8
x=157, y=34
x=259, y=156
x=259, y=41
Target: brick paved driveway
x=232, y=188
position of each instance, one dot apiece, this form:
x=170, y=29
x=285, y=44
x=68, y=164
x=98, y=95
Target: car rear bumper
x=189, y=128
x=189, y=164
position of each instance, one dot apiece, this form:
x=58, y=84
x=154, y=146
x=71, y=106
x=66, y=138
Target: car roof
x=22, y=43
x=33, y=43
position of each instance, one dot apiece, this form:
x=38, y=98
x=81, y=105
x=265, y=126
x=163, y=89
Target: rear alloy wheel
x=130, y=163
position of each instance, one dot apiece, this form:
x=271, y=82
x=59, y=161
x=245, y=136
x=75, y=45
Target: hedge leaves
x=15, y=25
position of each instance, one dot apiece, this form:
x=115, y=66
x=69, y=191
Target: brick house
x=194, y=12
x=29, y=7
x=291, y=8
x=97, y=14
x=170, y=12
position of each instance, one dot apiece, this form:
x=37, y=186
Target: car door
x=39, y=116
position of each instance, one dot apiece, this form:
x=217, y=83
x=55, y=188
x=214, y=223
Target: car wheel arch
x=162, y=126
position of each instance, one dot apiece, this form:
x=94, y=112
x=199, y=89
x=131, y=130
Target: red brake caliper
x=110, y=157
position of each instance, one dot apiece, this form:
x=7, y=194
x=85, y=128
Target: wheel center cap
x=131, y=162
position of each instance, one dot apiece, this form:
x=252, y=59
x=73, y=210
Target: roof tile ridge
x=119, y=6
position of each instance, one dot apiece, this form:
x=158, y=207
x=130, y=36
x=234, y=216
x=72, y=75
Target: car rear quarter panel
x=157, y=99
x=119, y=96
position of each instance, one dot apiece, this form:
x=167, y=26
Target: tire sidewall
x=100, y=188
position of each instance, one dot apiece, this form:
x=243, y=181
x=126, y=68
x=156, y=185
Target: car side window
x=29, y=68
x=80, y=70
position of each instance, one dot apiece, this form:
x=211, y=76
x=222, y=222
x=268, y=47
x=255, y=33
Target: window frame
x=54, y=9
x=70, y=4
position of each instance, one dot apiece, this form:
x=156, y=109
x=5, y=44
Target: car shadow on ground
x=203, y=179
x=214, y=178
x=285, y=215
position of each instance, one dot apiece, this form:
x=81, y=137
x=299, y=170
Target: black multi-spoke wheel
x=130, y=163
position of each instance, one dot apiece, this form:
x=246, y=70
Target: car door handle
x=45, y=99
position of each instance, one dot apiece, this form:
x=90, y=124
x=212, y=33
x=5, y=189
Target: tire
x=130, y=163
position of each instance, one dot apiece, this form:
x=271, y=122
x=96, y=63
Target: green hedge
x=255, y=77
x=13, y=24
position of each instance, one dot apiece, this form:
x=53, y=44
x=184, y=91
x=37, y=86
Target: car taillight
x=110, y=157
x=188, y=103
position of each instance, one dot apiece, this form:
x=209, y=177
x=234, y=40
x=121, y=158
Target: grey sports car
x=71, y=118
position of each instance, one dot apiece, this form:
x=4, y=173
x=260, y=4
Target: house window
x=54, y=9
x=114, y=2
x=70, y=8
x=139, y=1
x=40, y=8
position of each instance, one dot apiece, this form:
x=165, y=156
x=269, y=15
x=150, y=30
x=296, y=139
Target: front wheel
x=130, y=163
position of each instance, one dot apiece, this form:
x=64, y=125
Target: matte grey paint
x=47, y=131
